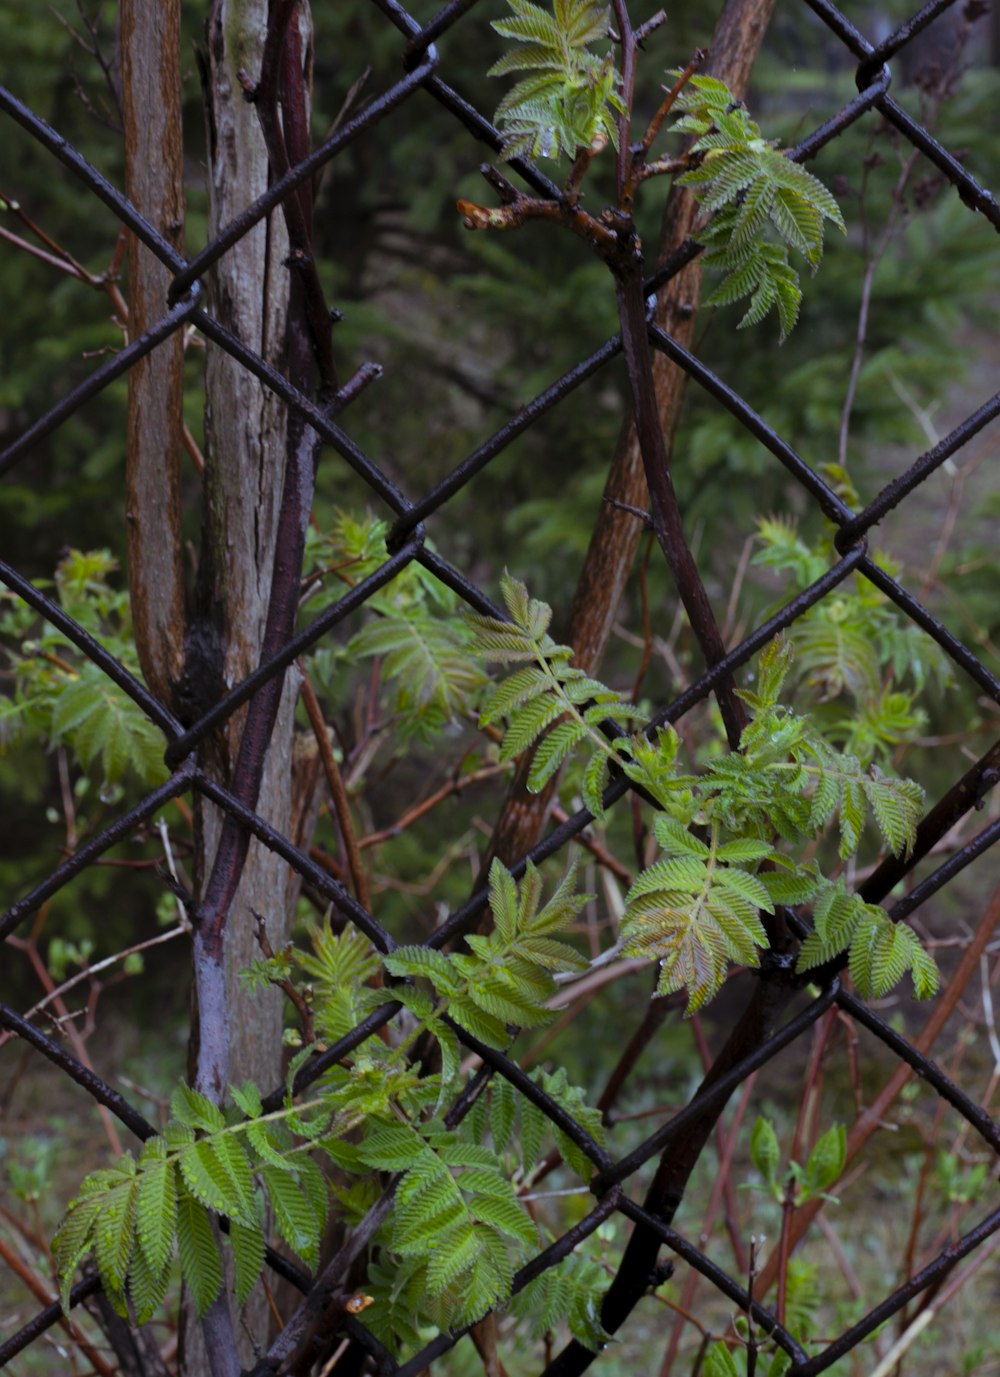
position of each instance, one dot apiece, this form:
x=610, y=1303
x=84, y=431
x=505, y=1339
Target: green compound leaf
x=502, y=1212
x=425, y=961
x=391, y=1147
x=511, y=693
x=73, y=1241
x=527, y=723
x=201, y=1264
x=506, y=1006
x=882, y=952
x=552, y=750
x=267, y=1142
x=146, y=1286
x=248, y=1098
x=426, y=661
x=248, y=1245
x=464, y=1011
x=193, y=1110
x=232, y=1155
x=428, y=1216
x=503, y=901
x=294, y=1216
x=456, y=1252
x=207, y=1178
x=571, y=1293
x=506, y=979
x=114, y=1234
x=571, y=94
x=503, y=1111
x=550, y=705
x=700, y=907
x=156, y=1216
x=693, y=914
x=101, y=722
x=763, y=205
x=595, y=781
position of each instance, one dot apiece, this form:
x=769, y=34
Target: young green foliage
x=756, y=196
x=134, y=1215
x=570, y=99
x=697, y=910
x=455, y=1221
x=507, y=976
x=798, y=1183
x=458, y=1229
x=571, y=1294
x=762, y=204
x=700, y=906
x=426, y=673
x=863, y=662
x=547, y=701
x=63, y=698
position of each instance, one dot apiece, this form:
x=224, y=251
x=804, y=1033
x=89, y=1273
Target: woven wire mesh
x=424, y=77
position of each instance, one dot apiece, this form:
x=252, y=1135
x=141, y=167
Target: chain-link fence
x=678, y=1142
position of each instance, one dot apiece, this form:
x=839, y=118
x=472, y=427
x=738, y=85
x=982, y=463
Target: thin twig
x=455, y=785
x=338, y=793
x=287, y=987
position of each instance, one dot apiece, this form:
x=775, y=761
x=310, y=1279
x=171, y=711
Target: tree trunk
x=245, y=434
x=154, y=182
x=244, y=469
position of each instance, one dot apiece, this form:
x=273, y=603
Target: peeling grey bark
x=245, y=459
x=245, y=433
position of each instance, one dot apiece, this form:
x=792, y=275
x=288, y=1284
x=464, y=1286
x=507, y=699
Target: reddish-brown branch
x=665, y=512
x=638, y=168
x=875, y=1114
x=455, y=785
x=66, y=1022
x=287, y=987
x=154, y=182
x=335, y=782
x=42, y=1294
x=524, y=208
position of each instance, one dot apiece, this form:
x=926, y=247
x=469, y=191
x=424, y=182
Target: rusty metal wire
x=421, y=66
